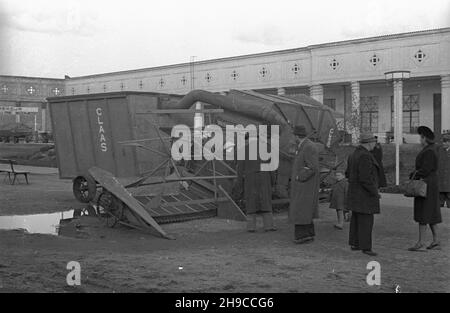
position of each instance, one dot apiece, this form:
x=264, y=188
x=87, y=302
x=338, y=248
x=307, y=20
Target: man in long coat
x=363, y=198
x=378, y=154
x=257, y=189
x=304, y=191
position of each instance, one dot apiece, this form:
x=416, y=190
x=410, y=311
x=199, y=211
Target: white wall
x=425, y=88
x=396, y=52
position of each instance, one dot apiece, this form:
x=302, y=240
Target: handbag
x=416, y=187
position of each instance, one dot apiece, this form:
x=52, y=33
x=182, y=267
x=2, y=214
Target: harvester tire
x=109, y=209
x=84, y=188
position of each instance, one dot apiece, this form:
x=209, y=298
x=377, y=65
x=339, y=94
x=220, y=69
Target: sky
x=53, y=38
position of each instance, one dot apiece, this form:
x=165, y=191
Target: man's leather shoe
x=304, y=240
x=369, y=252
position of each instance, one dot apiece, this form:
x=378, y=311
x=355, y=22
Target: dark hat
x=300, y=131
x=445, y=136
x=367, y=138
x=426, y=132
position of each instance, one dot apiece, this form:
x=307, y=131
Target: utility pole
x=192, y=71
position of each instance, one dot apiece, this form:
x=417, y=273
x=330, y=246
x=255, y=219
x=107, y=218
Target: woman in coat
x=427, y=210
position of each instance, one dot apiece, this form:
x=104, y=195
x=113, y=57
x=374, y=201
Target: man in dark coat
x=257, y=189
x=378, y=154
x=444, y=170
x=427, y=210
x=363, y=198
x=304, y=191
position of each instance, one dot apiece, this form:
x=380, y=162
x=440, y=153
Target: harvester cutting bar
x=181, y=111
x=168, y=180
x=142, y=140
x=193, y=203
x=199, y=201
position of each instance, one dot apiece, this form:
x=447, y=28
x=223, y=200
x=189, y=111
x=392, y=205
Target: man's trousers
x=361, y=226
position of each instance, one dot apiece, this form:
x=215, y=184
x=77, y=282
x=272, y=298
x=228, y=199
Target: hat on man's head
x=426, y=132
x=300, y=131
x=367, y=138
x=445, y=137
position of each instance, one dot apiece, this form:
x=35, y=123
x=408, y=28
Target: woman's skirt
x=428, y=210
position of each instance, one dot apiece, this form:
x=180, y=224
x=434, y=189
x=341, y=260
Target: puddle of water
x=35, y=224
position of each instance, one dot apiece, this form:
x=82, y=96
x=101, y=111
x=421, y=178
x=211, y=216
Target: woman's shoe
x=337, y=226
x=434, y=246
x=418, y=247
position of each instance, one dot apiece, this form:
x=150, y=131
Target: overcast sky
x=51, y=38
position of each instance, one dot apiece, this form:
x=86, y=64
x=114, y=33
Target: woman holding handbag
x=427, y=209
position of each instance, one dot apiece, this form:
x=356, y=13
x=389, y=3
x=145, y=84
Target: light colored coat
x=338, y=196
x=304, y=195
x=256, y=185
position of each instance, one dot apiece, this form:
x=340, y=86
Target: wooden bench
x=12, y=172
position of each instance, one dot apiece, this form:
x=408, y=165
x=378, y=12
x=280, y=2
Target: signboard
x=17, y=110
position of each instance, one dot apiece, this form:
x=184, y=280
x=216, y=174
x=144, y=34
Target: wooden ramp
x=174, y=201
x=109, y=182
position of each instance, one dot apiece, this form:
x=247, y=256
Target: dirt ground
x=45, y=194
x=211, y=255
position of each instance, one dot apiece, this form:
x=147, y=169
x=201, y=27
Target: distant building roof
x=300, y=49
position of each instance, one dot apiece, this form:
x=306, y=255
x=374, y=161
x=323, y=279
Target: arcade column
x=316, y=92
x=445, y=113
x=355, y=114
x=44, y=116
x=281, y=91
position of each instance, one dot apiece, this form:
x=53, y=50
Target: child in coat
x=338, y=199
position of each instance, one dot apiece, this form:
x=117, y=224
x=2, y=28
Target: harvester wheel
x=109, y=209
x=84, y=188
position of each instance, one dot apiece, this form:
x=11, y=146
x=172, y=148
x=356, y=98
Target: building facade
x=27, y=92
x=349, y=76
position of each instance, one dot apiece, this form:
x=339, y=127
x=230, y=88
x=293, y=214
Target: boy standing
x=338, y=199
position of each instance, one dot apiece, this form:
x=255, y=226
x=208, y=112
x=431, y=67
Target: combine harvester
x=116, y=147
